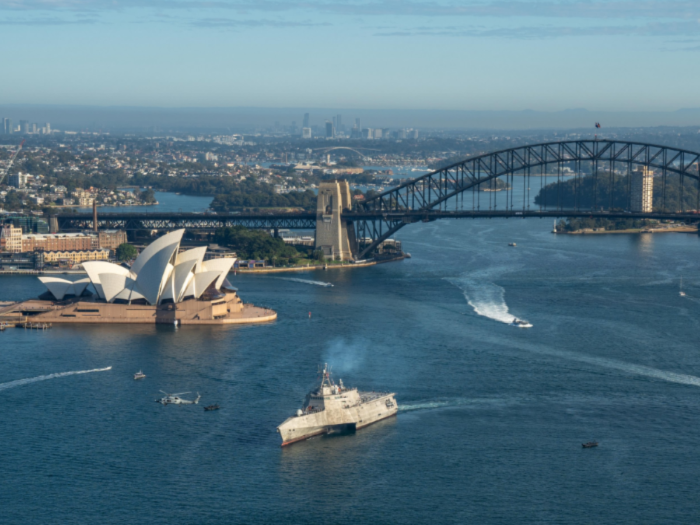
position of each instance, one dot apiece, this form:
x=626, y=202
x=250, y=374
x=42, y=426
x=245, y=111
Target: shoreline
x=632, y=231
x=318, y=267
x=234, y=271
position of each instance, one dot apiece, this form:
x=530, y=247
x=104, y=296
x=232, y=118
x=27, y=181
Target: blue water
x=492, y=417
x=167, y=203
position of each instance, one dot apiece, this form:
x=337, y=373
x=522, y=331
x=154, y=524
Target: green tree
x=126, y=252
x=256, y=244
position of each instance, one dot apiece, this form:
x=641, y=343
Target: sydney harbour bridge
x=576, y=178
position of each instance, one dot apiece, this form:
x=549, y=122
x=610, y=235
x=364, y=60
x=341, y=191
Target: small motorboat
x=512, y=244
x=139, y=375
x=590, y=444
x=211, y=407
x=519, y=323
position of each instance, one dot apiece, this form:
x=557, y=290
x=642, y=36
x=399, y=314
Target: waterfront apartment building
x=75, y=256
x=60, y=242
x=642, y=190
x=11, y=239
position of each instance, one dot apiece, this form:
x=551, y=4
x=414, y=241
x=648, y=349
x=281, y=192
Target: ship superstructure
x=333, y=408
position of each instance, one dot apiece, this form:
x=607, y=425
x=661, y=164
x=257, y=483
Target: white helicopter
x=175, y=399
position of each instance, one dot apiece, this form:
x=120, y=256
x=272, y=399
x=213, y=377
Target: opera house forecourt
x=163, y=285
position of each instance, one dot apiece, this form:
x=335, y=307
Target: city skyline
x=494, y=55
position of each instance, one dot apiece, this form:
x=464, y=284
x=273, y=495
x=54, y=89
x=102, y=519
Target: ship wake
x=486, y=298
x=305, y=281
x=457, y=402
x=22, y=382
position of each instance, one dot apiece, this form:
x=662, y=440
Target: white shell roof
x=158, y=273
x=195, y=254
x=59, y=288
x=223, y=266
x=155, y=271
x=202, y=282
x=169, y=239
x=95, y=268
x=182, y=275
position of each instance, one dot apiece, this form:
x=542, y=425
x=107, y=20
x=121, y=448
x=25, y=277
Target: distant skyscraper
x=32, y=128
x=306, y=120
x=335, y=123
x=330, y=130
x=338, y=123
x=377, y=133
x=24, y=126
x=642, y=189
x=415, y=133
x=47, y=128
x=306, y=132
x=3, y=126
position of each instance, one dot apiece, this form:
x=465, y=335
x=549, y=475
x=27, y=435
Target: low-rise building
x=60, y=242
x=111, y=239
x=75, y=256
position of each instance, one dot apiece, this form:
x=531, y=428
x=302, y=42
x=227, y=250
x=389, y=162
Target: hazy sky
x=423, y=54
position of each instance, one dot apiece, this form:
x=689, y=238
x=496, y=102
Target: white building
x=159, y=275
x=642, y=190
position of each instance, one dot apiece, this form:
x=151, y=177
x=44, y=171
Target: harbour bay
x=491, y=418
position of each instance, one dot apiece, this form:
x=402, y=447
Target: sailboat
x=681, y=292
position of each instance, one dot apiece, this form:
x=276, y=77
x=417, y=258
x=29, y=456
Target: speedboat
x=519, y=323
x=211, y=407
x=139, y=375
x=590, y=444
x=512, y=244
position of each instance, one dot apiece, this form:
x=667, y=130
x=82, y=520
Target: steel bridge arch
x=431, y=190
x=347, y=148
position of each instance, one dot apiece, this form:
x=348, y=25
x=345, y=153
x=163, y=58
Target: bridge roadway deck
x=307, y=220
x=432, y=215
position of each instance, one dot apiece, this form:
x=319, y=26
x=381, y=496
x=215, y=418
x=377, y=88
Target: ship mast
x=326, y=376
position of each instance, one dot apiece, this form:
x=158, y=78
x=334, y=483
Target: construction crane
x=6, y=170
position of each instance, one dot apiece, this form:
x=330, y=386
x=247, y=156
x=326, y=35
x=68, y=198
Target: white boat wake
x=477, y=403
x=21, y=382
x=486, y=298
x=305, y=281
x=630, y=368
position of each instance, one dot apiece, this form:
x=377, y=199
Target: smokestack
x=94, y=215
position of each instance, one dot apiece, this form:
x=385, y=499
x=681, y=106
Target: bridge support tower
x=334, y=236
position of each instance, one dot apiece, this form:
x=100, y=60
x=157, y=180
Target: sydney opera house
x=163, y=285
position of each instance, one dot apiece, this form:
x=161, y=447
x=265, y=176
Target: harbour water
x=492, y=417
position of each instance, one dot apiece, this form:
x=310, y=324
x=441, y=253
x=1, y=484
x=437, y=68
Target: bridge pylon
x=334, y=235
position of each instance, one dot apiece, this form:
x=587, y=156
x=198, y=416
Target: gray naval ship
x=333, y=408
